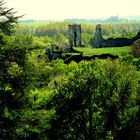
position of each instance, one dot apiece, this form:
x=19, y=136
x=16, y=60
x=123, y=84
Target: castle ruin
x=98, y=37
x=99, y=42
x=75, y=39
x=75, y=35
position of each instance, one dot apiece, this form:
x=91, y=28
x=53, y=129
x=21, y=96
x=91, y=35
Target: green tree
x=7, y=19
x=95, y=101
x=15, y=77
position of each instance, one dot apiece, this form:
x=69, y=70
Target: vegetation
x=58, y=32
x=7, y=19
x=42, y=99
x=120, y=51
x=94, y=100
x=136, y=48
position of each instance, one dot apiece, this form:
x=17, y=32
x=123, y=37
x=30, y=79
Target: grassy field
x=112, y=50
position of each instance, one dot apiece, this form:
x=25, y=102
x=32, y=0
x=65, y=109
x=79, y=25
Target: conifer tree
x=8, y=19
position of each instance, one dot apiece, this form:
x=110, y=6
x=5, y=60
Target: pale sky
x=62, y=9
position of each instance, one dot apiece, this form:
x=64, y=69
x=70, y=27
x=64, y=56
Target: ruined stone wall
x=117, y=42
x=75, y=35
x=111, y=42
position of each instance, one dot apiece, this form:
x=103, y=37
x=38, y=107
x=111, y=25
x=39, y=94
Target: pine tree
x=8, y=19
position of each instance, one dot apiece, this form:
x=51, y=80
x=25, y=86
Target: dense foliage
x=96, y=100
x=41, y=100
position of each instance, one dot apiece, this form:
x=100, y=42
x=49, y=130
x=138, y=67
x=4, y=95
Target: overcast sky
x=61, y=9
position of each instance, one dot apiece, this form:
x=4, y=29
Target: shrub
x=136, y=48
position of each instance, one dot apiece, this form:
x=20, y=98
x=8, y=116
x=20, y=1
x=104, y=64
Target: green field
x=112, y=50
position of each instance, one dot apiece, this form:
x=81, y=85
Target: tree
x=95, y=101
x=7, y=19
x=14, y=79
x=136, y=48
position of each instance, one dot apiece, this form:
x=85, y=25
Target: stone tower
x=98, y=37
x=75, y=35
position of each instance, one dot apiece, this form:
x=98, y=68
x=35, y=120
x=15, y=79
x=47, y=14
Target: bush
x=136, y=48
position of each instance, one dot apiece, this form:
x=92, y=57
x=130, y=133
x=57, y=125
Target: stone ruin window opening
x=75, y=38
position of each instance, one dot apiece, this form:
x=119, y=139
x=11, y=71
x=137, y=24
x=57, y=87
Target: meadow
x=120, y=51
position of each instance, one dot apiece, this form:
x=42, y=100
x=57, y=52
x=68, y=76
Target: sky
x=63, y=9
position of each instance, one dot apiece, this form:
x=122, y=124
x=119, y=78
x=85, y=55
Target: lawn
x=112, y=50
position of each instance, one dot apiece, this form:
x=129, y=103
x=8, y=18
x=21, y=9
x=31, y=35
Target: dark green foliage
x=15, y=77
